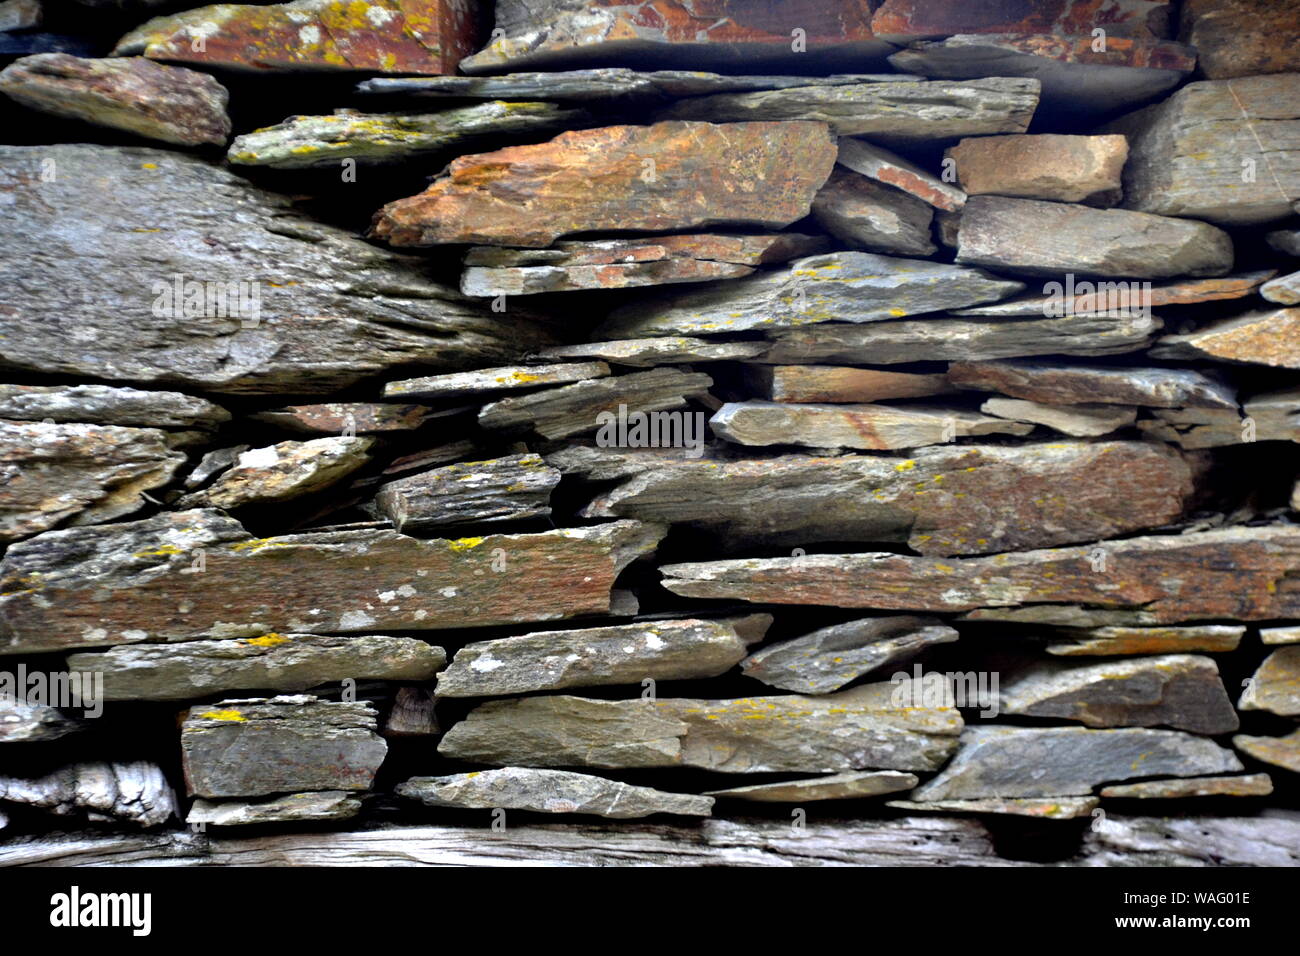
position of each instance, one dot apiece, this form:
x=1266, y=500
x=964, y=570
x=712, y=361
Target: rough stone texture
x=894, y=113
x=550, y=791
x=1288, y=634
x=272, y=662
x=869, y=215
x=1059, y=384
x=1270, y=337
x=837, y=786
x=1101, y=296
x=902, y=21
x=1275, y=687
x=108, y=405
x=1242, y=573
x=1062, y=168
x=20, y=14
x=1281, y=752
x=836, y=384
x=835, y=287
x=383, y=36
x=292, y=808
x=661, y=177
x=1076, y=78
x=731, y=34
x=1285, y=240
x=512, y=378
x=260, y=746
x=472, y=492
x=23, y=722
x=1241, y=37
x=1080, y=421
x=1051, y=808
x=1274, y=416
x=193, y=574
x=594, y=657
x=944, y=500
x=333, y=418
x=1284, y=289
x=333, y=309
x=831, y=657
x=1068, y=761
x=1182, y=691
x=667, y=350
x=283, y=471
x=1106, y=641
x=853, y=426
x=306, y=142
x=883, y=166
x=135, y=793
x=139, y=96
x=573, y=409
x=82, y=474
x=852, y=730
x=1247, y=785
x=1050, y=239
x=891, y=343
x=1186, y=153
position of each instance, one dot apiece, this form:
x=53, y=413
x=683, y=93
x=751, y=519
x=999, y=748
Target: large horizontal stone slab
x=730, y=34
x=109, y=405
x=1275, y=686
x=473, y=492
x=866, y=214
x=281, y=472
x=1241, y=37
x=1182, y=691
x=1060, y=384
x=291, y=808
x=1247, y=785
x=852, y=730
x=272, y=662
x=1078, y=297
x=1050, y=239
x=1226, y=151
x=513, y=378
x=835, y=287
x=1270, y=337
x=1118, y=640
x=594, y=657
x=1061, y=168
x=133, y=94
x=668, y=176
x=135, y=793
x=307, y=142
x=261, y=746
x=836, y=786
x=1068, y=761
x=841, y=384
x=896, y=114
x=83, y=474
x=1039, y=808
x=665, y=350
x=550, y=791
x=943, y=500
x=931, y=339
x=181, y=273
x=1242, y=573
x=193, y=574
x=383, y=36
x=902, y=21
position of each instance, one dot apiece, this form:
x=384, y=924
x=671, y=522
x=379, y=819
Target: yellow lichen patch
x=257, y=544
x=267, y=640
x=464, y=544
x=166, y=549
x=223, y=715
x=905, y=465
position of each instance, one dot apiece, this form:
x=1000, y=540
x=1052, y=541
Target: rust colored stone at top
x=669, y=176
x=384, y=36
x=901, y=21
x=1242, y=37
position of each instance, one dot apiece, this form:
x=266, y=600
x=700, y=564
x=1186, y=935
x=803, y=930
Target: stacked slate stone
x=857, y=424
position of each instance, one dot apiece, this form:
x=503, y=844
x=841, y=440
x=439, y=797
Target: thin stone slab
x=594, y=657
x=573, y=409
x=836, y=287
x=272, y=662
x=1274, y=416
x=262, y=746
x=135, y=793
x=1050, y=808
x=1284, y=290
x=832, y=657
x=25, y=722
x=1270, y=337
x=866, y=214
x=187, y=575
x=1275, y=686
x=666, y=176
x=323, y=142
x=1241, y=573
x=550, y=791
x=1287, y=634
x=1118, y=297
x=288, y=304
x=1079, y=421
x=333, y=418
x=943, y=500
x=511, y=378
x=1082, y=169
x=880, y=164
x=873, y=427
x=853, y=730
x=167, y=103
x=282, y=472
x=1182, y=691
x=837, y=786
x=1226, y=151
x=1246, y=785
x=903, y=21
x=513, y=488
x=1060, y=384
x=666, y=350
x=1114, y=640
x=1050, y=239
x=109, y=405
x=1281, y=752
x=805, y=384
x=291, y=808
x=1068, y=761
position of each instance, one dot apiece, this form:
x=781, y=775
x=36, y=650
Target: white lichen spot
x=355, y=619
x=309, y=35
x=485, y=664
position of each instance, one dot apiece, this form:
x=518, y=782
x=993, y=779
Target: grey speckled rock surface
x=1056, y=383
x=282, y=471
x=838, y=786
x=1106, y=641
x=866, y=214
x=135, y=793
x=1079, y=421
x=292, y=808
x=1248, y=785
x=551, y=791
x=1068, y=761
x=23, y=722
x=511, y=378
x=109, y=405
x=668, y=350
x=513, y=488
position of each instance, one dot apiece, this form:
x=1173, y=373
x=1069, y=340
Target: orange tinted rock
x=901, y=21
x=1064, y=168
x=1257, y=338
x=1242, y=37
x=831, y=383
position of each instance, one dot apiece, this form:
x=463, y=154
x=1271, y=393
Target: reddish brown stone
x=1180, y=292
x=1257, y=338
x=1243, y=37
x=335, y=418
x=836, y=384
x=901, y=21
x=672, y=175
